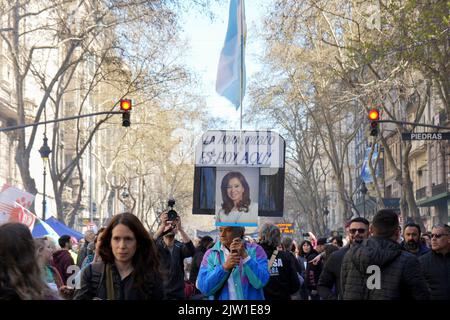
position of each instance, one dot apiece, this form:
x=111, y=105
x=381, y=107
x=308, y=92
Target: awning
x=391, y=203
x=62, y=229
x=433, y=201
x=42, y=229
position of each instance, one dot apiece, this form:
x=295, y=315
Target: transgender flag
x=230, y=81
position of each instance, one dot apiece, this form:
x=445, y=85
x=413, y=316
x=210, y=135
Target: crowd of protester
x=376, y=260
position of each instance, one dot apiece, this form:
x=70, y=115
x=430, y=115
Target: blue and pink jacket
x=249, y=278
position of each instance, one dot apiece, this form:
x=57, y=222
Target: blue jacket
x=249, y=278
x=423, y=249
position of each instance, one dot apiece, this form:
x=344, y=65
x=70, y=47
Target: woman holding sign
x=237, y=207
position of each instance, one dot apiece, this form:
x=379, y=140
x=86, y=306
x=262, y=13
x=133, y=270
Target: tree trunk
x=342, y=203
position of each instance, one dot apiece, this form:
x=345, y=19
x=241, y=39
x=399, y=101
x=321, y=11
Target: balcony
x=421, y=193
x=438, y=189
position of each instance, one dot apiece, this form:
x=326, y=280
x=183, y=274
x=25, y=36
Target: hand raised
x=231, y=261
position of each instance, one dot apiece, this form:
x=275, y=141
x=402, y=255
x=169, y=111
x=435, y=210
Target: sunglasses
x=438, y=236
x=353, y=231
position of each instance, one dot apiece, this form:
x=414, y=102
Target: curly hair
x=228, y=204
x=19, y=269
x=145, y=260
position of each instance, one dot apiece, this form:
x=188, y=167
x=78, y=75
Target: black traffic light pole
x=21, y=126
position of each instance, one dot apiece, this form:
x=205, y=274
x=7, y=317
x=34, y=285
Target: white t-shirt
x=236, y=216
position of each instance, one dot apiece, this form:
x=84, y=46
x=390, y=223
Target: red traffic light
x=125, y=104
x=374, y=115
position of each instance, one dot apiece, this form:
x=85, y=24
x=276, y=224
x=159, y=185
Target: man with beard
x=329, y=281
x=378, y=269
x=411, y=242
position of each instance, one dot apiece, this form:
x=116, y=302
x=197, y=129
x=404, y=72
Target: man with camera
x=173, y=252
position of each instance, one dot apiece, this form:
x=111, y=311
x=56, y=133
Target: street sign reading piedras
x=222, y=148
x=426, y=136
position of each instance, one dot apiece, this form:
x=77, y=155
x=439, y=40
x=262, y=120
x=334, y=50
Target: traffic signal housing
x=374, y=117
x=125, y=106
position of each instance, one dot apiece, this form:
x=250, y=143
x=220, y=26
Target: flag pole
x=242, y=60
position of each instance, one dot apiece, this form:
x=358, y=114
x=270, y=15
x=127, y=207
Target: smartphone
x=236, y=232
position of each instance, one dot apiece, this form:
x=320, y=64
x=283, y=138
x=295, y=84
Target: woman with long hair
x=236, y=206
x=130, y=268
x=20, y=274
x=44, y=257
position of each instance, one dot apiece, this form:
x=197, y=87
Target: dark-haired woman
x=129, y=269
x=237, y=206
x=205, y=243
x=309, y=272
x=20, y=274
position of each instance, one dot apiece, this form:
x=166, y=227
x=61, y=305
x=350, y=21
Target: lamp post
x=45, y=152
x=125, y=194
x=364, y=192
x=325, y=214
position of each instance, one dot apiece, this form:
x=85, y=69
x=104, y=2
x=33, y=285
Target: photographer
x=173, y=253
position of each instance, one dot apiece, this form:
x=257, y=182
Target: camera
x=172, y=214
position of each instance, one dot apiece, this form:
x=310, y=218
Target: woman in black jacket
x=205, y=243
x=130, y=268
x=283, y=281
x=310, y=272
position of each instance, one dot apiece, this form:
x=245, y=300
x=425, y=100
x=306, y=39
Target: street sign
x=286, y=227
x=426, y=136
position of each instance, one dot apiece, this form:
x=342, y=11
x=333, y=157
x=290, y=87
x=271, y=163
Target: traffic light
x=125, y=106
x=374, y=117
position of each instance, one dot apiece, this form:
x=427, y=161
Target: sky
x=206, y=38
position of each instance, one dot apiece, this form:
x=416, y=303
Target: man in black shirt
x=173, y=253
x=329, y=281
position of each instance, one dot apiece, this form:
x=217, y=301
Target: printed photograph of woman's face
x=237, y=197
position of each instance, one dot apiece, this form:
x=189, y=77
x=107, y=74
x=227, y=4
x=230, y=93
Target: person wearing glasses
x=436, y=263
x=378, y=268
x=329, y=287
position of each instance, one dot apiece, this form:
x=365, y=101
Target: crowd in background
x=123, y=261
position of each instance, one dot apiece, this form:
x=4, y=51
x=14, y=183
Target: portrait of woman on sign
x=236, y=206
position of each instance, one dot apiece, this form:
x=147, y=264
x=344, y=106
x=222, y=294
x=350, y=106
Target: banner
x=227, y=148
x=14, y=205
x=365, y=170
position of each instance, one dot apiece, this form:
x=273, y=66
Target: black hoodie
x=283, y=281
x=400, y=275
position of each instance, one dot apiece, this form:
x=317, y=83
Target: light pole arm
x=21, y=126
x=414, y=124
